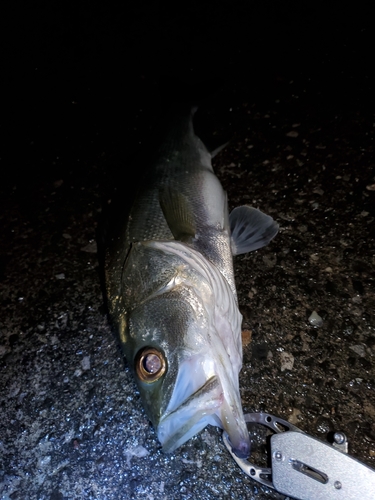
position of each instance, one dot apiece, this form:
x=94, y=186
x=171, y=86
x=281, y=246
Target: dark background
x=78, y=75
x=84, y=90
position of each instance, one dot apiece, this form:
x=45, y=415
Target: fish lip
x=243, y=451
x=207, y=400
x=243, y=448
x=235, y=427
x=210, y=406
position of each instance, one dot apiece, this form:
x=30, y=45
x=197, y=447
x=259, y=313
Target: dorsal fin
x=217, y=150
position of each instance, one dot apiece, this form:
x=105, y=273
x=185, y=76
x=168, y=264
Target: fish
x=171, y=290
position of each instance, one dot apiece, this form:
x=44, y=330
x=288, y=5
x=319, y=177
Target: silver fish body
x=171, y=291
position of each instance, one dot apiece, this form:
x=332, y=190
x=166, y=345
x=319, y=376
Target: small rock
x=293, y=418
x=323, y=425
x=246, y=337
x=358, y=349
x=287, y=361
x=45, y=461
x=54, y=340
x=85, y=363
x=90, y=247
x=292, y=133
x=136, y=451
x=315, y=319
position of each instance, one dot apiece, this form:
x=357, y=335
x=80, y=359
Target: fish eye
x=150, y=364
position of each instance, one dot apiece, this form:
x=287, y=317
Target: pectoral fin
x=250, y=229
x=178, y=214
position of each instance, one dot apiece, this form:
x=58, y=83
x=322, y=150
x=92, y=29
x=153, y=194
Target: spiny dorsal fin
x=250, y=229
x=217, y=150
x=178, y=214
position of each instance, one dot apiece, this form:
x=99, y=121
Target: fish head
x=183, y=341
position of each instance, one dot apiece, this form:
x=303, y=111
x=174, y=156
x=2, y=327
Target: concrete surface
x=302, y=150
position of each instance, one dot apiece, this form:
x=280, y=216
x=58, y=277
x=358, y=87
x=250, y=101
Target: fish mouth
x=207, y=405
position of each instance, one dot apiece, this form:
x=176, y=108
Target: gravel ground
x=302, y=150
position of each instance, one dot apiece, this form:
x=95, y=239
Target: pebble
x=292, y=133
x=90, y=247
x=358, y=349
x=287, y=361
x=315, y=319
x=85, y=363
